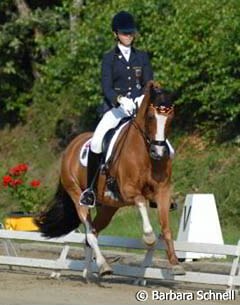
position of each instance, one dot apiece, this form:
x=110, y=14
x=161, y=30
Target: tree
x=194, y=46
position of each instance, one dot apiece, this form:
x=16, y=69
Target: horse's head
x=158, y=116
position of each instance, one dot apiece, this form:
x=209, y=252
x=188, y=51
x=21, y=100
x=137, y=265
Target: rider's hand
x=138, y=100
x=126, y=104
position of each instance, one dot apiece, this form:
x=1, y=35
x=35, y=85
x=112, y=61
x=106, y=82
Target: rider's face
x=126, y=39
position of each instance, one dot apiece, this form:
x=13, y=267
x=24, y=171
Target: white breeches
x=109, y=120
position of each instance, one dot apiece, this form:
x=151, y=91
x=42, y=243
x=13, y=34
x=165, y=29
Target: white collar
x=126, y=51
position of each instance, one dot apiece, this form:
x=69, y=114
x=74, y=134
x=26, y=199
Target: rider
x=125, y=72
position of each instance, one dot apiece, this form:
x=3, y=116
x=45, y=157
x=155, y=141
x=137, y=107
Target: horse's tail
x=61, y=218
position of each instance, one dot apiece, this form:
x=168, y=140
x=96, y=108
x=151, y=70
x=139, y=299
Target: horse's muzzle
x=157, y=152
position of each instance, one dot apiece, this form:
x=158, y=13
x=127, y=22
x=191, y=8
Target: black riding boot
x=88, y=197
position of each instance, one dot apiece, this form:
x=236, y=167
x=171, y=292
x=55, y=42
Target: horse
x=142, y=168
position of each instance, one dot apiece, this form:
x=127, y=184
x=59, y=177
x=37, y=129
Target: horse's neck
x=133, y=140
x=136, y=136
x=140, y=117
x=137, y=130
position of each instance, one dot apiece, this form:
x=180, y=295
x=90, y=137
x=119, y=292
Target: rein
x=143, y=133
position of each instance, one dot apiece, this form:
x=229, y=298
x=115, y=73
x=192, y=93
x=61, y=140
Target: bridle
x=161, y=110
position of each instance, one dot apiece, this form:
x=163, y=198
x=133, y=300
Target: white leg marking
x=92, y=240
x=147, y=228
x=87, y=271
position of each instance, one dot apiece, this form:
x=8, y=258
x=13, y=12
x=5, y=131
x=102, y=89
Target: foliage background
x=50, y=55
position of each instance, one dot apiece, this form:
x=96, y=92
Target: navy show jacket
x=125, y=78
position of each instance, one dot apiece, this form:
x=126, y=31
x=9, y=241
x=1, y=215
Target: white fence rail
x=145, y=271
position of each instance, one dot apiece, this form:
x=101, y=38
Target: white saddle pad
x=86, y=146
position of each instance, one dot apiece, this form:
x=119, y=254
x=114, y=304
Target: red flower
x=23, y=167
x=14, y=171
x=7, y=180
x=35, y=183
x=16, y=182
x=18, y=170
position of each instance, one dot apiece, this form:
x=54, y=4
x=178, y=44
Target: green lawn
x=198, y=167
x=127, y=222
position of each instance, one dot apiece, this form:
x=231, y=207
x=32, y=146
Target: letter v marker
x=186, y=216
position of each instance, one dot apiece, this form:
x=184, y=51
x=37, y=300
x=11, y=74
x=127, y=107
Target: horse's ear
x=158, y=95
x=154, y=90
x=149, y=86
x=152, y=86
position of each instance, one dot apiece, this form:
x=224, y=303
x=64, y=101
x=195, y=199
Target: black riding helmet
x=123, y=22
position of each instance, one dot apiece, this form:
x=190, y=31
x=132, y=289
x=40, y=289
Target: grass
x=127, y=222
x=231, y=234
x=20, y=145
x=199, y=167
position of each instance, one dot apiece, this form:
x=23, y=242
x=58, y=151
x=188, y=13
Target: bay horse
x=142, y=168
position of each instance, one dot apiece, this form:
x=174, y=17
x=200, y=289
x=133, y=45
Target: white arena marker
x=199, y=224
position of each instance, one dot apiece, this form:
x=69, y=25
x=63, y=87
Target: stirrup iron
x=88, y=198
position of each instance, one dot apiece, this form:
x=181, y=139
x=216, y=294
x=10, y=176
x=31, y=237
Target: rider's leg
x=88, y=196
x=108, y=121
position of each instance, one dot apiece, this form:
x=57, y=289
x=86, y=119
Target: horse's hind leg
x=91, y=237
x=101, y=221
x=103, y=217
x=83, y=213
x=87, y=271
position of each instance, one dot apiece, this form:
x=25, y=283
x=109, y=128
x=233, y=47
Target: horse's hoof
x=105, y=269
x=87, y=275
x=178, y=270
x=149, y=239
x=140, y=282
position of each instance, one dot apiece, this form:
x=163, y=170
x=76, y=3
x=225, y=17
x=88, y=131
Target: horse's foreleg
x=149, y=236
x=163, y=203
x=167, y=235
x=163, y=209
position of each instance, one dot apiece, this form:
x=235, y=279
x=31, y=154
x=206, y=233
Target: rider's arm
x=107, y=82
x=147, y=69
